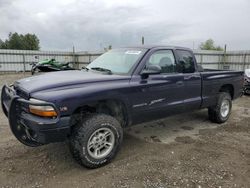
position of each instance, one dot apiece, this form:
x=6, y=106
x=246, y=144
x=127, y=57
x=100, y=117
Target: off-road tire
x=82, y=132
x=214, y=113
x=247, y=92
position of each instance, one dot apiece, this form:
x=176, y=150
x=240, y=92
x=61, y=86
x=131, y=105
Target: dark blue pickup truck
x=125, y=86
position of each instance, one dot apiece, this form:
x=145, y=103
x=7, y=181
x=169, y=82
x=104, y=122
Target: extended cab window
x=185, y=63
x=163, y=58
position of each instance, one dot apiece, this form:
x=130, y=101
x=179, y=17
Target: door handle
x=180, y=83
x=191, y=76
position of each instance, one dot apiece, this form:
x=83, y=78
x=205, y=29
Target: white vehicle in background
x=247, y=82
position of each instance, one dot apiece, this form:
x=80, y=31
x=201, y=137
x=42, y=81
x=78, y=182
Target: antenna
x=142, y=40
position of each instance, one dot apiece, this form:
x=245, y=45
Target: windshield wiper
x=85, y=68
x=101, y=69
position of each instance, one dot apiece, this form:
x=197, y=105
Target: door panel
x=157, y=96
x=192, y=87
x=192, y=80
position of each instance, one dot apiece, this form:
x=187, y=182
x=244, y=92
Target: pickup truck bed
x=122, y=87
x=211, y=84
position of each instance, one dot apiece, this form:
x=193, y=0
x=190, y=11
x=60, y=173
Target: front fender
x=68, y=100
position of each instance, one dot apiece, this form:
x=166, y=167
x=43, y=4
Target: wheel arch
x=228, y=88
x=117, y=108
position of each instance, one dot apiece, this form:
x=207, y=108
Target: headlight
x=42, y=110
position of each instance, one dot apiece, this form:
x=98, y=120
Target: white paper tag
x=133, y=52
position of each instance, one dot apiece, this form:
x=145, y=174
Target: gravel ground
x=180, y=151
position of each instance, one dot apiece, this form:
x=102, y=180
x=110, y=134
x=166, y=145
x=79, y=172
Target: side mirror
x=151, y=69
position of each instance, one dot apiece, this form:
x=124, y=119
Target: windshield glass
x=117, y=61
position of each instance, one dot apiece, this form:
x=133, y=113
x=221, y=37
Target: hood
x=59, y=79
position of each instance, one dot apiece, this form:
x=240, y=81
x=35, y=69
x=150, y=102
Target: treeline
x=210, y=45
x=20, y=42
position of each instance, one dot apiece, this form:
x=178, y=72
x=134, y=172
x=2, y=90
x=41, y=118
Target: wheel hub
x=101, y=143
x=225, y=108
x=98, y=141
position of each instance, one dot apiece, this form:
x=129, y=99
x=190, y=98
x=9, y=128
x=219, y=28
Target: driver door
x=157, y=95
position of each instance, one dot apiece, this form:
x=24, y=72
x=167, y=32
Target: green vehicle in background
x=49, y=65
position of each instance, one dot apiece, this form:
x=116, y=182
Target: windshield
x=117, y=61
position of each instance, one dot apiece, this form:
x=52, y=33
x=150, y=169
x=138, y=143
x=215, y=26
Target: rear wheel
x=96, y=140
x=221, y=112
x=247, y=92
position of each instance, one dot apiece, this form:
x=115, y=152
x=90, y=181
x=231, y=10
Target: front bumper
x=29, y=129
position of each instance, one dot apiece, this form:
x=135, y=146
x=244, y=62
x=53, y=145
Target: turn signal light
x=50, y=113
x=41, y=110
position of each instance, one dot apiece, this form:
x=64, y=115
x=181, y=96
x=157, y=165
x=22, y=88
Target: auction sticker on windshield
x=134, y=52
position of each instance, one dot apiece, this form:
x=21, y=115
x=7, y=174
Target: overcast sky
x=94, y=24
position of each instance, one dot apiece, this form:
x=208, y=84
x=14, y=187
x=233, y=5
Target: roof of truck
x=157, y=46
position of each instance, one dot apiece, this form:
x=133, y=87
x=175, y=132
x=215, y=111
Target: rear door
x=186, y=65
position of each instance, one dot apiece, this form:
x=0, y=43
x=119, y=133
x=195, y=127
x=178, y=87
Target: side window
x=163, y=58
x=185, y=62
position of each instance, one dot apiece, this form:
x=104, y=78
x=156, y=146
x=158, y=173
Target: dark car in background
x=247, y=82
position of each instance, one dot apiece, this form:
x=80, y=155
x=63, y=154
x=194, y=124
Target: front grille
x=21, y=93
x=22, y=107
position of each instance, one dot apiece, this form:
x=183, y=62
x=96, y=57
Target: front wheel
x=221, y=112
x=96, y=140
x=33, y=70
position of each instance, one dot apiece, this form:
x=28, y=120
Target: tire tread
x=214, y=112
x=86, y=125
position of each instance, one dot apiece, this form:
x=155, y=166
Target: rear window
x=185, y=63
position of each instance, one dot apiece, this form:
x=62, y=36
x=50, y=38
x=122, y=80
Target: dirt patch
x=137, y=132
x=187, y=128
x=155, y=139
x=207, y=131
x=160, y=154
x=184, y=139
